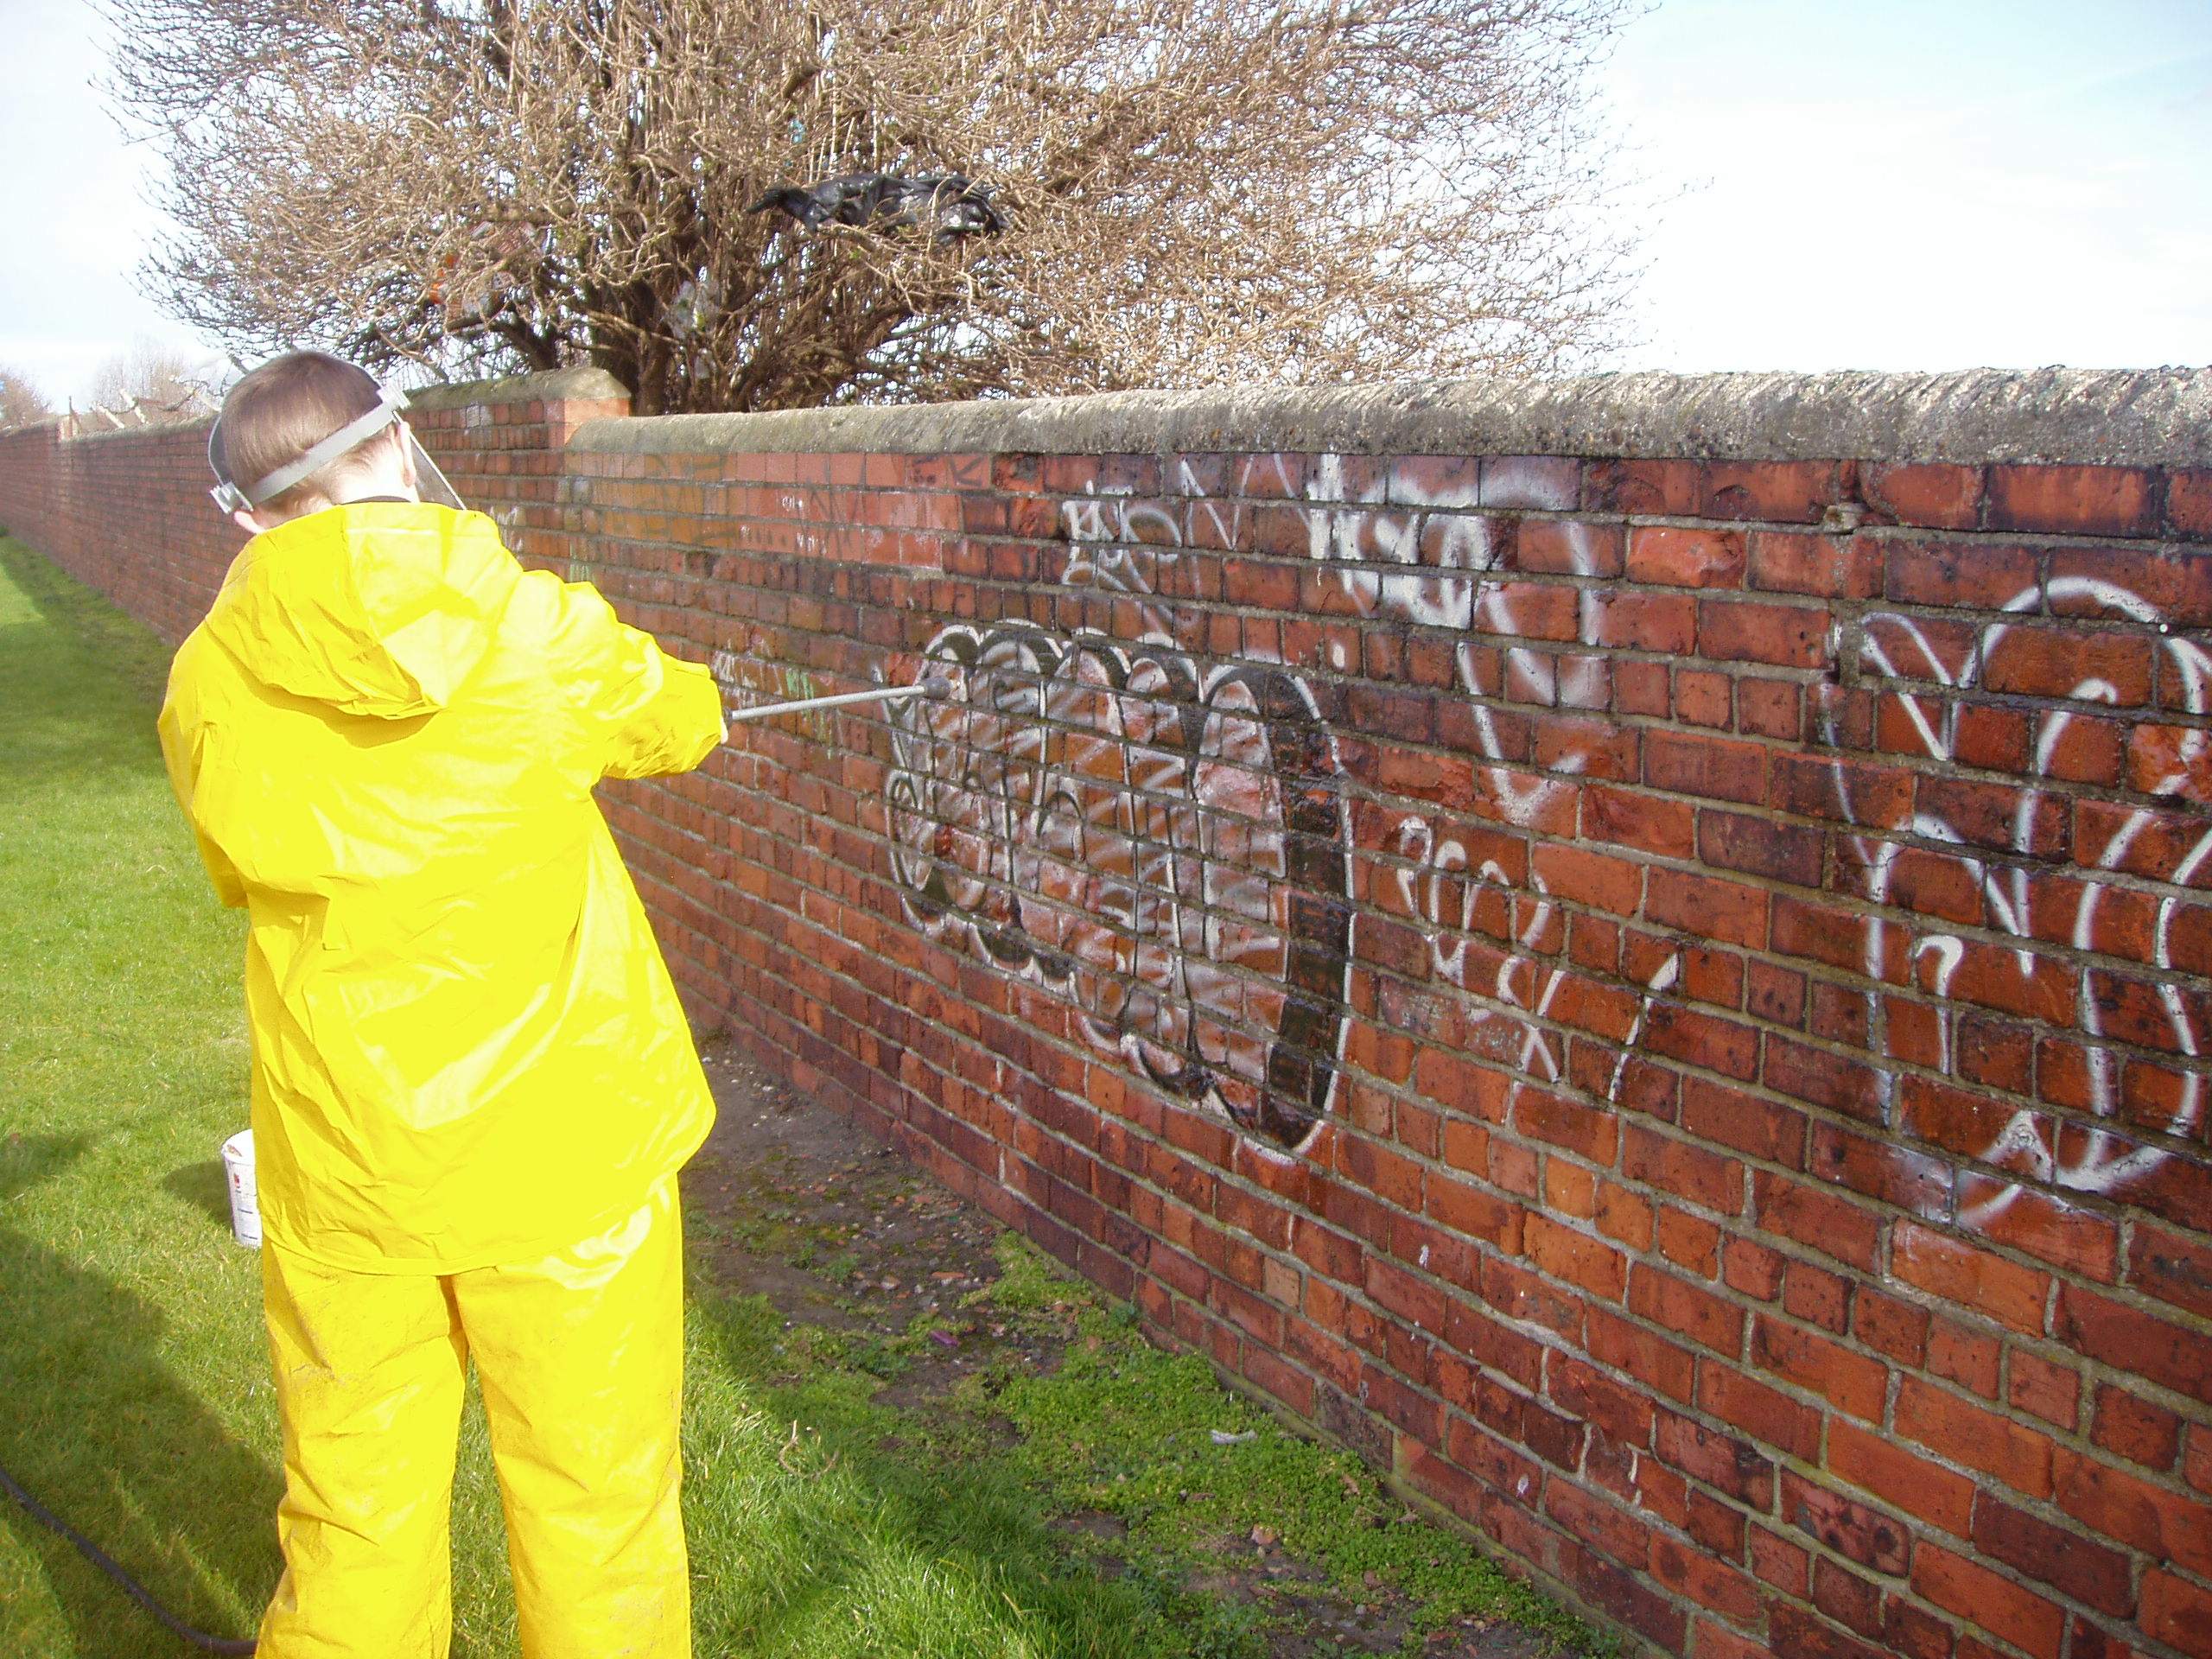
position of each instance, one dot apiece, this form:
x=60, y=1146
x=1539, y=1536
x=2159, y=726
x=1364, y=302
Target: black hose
x=137, y=1591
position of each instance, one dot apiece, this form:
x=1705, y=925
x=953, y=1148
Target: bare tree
x=753, y=204
x=152, y=381
x=21, y=401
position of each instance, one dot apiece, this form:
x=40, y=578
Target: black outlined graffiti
x=1164, y=846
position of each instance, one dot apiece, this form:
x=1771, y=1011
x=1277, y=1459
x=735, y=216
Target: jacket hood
x=379, y=608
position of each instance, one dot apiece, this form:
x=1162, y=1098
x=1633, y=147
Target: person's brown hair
x=283, y=409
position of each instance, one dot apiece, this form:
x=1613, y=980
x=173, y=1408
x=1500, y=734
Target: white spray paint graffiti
x=2100, y=1161
x=1418, y=558
x=1523, y=984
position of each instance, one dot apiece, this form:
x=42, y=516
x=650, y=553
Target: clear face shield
x=430, y=483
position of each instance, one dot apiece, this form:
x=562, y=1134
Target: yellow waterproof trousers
x=580, y=1356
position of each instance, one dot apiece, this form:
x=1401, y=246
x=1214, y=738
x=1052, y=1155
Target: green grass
x=822, y=1525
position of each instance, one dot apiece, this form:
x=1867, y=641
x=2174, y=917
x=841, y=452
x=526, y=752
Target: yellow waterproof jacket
x=466, y=1049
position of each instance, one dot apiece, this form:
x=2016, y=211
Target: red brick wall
x=126, y=512
x=1664, y=1000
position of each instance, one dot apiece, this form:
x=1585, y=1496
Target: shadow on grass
x=205, y=1187
x=99, y=1430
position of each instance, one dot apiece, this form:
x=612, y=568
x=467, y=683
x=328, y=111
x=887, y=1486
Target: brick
x=1744, y=1122
x=1714, y=768
x=1779, y=1562
x=1989, y=1600
x=1636, y=1352
x=1584, y=1391
x=1748, y=631
x=1588, y=1263
x=1929, y=495
x=2067, y=663
x=2019, y=1456
x=1639, y=688
x=1913, y=1632
x=1473, y=1212
x=1632, y=1602
x=2089, y=1572
x=1721, y=1461
x=1677, y=556
x=1796, y=1633
x=1658, y=488
x=2121, y=1336
x=1964, y=1273
x=1624, y=621
x=1843, y=792
x=1563, y=1122
x=1712, y=1583
x=1869, y=1460
x=1601, y=1525
x=1546, y=483
x=2137, y=1429
x=1865, y=1534
x=1775, y=993
x=2050, y=1392
x=1775, y=491
x=1684, y=1307
x=1979, y=576
x=1826, y=1078
x=1597, y=879
x=1705, y=906
x=2002, y=816
x=1891, y=1326
x=1683, y=1169
x=2176, y=1612
x=1623, y=1215
x=1770, y=709
x=2163, y=1016
x=1817, y=1296
x=1851, y=1381
x=2092, y=1641
x=1882, y=1169
x=1758, y=846
x=1816, y=1218
x=1766, y=1415
x=1851, y=1599
x=2171, y=1267
x=1684, y=1033
x=2114, y=1503
x=2115, y=582
x=1825, y=567
x=1564, y=547
x=1704, y=698
x=1966, y=1355
x=2074, y=500
x=1650, y=823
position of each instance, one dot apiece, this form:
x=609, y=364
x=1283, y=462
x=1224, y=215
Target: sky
x=1872, y=184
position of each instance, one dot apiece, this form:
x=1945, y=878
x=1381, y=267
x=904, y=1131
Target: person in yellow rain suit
x=473, y=1083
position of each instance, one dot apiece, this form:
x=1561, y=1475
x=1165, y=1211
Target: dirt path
x=789, y=1201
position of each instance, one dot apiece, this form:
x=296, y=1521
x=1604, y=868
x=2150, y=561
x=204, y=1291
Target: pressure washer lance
x=934, y=683
x=887, y=694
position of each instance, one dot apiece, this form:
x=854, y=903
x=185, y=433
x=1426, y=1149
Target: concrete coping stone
x=2154, y=417
x=574, y=385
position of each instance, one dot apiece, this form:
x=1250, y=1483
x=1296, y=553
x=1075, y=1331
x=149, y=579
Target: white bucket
x=238, y=1166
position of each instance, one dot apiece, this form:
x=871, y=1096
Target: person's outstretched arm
x=645, y=711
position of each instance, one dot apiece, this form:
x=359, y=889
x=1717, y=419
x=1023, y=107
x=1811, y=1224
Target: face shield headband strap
x=232, y=498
